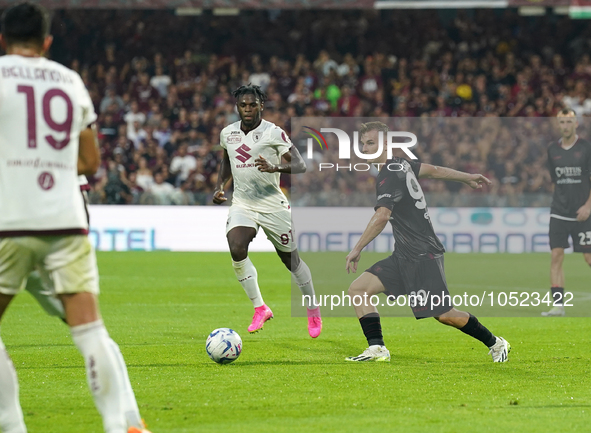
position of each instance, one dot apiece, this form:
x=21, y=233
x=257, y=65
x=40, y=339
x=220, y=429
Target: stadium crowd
x=162, y=87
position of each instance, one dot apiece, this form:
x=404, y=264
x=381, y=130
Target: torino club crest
x=45, y=181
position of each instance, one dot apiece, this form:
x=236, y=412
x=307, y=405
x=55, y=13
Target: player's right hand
x=218, y=197
x=475, y=181
x=352, y=260
x=583, y=213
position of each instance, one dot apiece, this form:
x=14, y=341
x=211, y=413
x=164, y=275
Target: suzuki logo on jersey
x=243, y=154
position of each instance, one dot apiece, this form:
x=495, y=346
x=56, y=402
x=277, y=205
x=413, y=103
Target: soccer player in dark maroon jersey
x=569, y=162
x=415, y=268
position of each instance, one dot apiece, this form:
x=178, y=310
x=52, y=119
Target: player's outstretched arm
x=376, y=225
x=89, y=156
x=474, y=181
x=294, y=163
x=224, y=176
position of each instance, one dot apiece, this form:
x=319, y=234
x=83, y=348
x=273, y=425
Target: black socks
x=557, y=295
x=475, y=329
x=372, y=328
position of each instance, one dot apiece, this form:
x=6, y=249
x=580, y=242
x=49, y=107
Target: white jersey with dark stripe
x=43, y=108
x=253, y=189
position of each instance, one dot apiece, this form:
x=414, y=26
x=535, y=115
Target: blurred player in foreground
x=40, y=286
x=47, y=138
x=569, y=162
x=255, y=153
x=415, y=268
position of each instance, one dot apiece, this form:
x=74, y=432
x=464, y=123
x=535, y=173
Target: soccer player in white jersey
x=255, y=153
x=47, y=138
x=40, y=286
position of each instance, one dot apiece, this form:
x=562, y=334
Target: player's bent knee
x=238, y=252
x=449, y=321
x=286, y=259
x=354, y=289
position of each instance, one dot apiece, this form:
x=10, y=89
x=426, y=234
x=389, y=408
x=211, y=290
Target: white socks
x=11, y=414
x=247, y=276
x=106, y=374
x=130, y=408
x=303, y=279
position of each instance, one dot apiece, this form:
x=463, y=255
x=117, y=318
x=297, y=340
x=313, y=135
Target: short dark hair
x=252, y=89
x=566, y=111
x=373, y=126
x=25, y=23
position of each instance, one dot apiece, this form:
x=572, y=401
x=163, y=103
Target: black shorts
x=580, y=231
x=420, y=280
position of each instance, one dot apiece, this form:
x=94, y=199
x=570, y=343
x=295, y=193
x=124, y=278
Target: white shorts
x=69, y=261
x=277, y=225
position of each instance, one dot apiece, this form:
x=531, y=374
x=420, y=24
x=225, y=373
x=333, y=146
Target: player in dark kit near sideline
x=43, y=221
x=569, y=162
x=415, y=268
x=259, y=202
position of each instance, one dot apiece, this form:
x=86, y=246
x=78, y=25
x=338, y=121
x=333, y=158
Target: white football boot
x=557, y=311
x=500, y=350
x=372, y=354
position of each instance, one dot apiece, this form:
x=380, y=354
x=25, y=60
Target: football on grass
x=223, y=345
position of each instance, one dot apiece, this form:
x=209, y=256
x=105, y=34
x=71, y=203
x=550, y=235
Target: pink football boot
x=261, y=315
x=314, y=322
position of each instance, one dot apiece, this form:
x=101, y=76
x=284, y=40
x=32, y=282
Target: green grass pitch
x=161, y=306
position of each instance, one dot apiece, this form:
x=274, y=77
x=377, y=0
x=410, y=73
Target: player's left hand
x=583, y=213
x=475, y=181
x=265, y=166
x=352, y=261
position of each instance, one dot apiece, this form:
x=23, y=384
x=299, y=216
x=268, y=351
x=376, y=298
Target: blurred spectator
x=182, y=164
x=163, y=133
x=143, y=92
x=115, y=190
x=110, y=99
x=160, y=82
x=348, y=102
x=260, y=77
x=133, y=116
x=161, y=190
x=145, y=178
x=182, y=196
x=135, y=190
